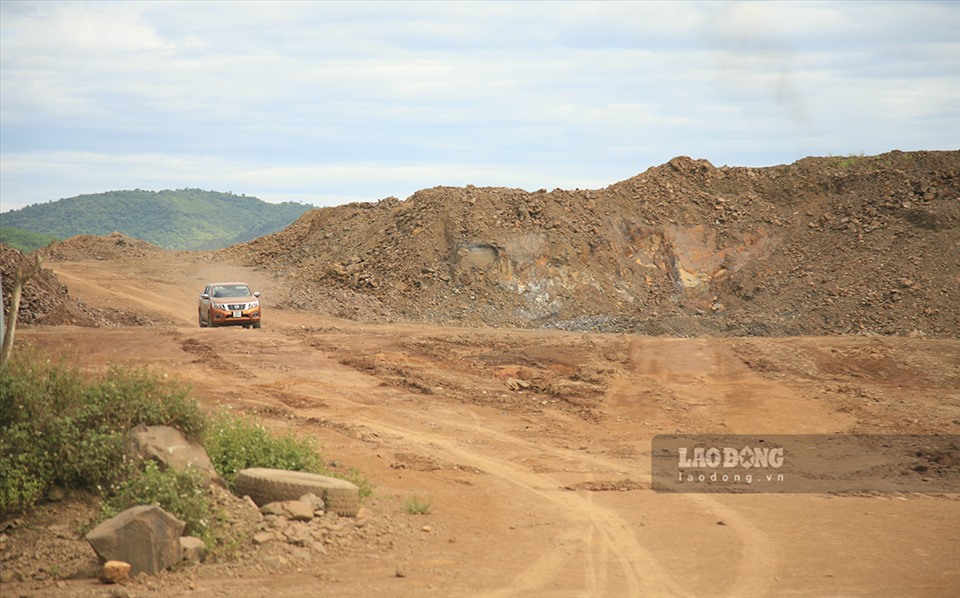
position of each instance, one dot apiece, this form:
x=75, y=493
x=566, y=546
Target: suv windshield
x=240, y=290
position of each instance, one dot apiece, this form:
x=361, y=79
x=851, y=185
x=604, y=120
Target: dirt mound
x=110, y=247
x=823, y=246
x=46, y=301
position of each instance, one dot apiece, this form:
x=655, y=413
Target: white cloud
x=363, y=100
x=308, y=183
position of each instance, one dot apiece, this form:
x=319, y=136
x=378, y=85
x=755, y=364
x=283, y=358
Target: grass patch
x=234, y=443
x=849, y=161
x=417, y=506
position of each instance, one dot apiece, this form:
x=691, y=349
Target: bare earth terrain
x=508, y=357
x=532, y=448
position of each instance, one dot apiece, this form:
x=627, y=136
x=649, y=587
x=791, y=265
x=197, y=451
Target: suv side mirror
x=257, y=294
x=204, y=296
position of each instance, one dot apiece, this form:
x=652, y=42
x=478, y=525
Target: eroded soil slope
x=822, y=246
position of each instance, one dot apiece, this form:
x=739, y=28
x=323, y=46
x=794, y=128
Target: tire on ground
x=273, y=485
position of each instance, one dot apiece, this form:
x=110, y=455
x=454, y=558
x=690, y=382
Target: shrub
x=58, y=428
x=234, y=443
x=183, y=494
x=24, y=477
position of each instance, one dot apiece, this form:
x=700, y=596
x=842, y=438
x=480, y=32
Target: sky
x=327, y=103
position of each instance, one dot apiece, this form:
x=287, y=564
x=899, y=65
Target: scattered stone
x=119, y=592
x=274, y=509
x=194, y=549
x=298, y=510
x=11, y=524
x=263, y=537
x=315, y=503
x=294, y=510
x=10, y=576
x=115, y=572
x=517, y=385
x=401, y=572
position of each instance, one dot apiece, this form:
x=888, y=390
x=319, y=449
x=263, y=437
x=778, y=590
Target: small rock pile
x=296, y=522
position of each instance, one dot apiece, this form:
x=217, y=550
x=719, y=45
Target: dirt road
x=533, y=448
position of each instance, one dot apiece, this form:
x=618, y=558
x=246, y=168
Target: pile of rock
x=685, y=248
x=47, y=302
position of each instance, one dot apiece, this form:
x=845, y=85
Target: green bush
x=24, y=477
x=234, y=443
x=59, y=429
x=182, y=494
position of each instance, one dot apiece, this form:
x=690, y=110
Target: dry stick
x=19, y=280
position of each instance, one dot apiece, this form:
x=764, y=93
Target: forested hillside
x=23, y=240
x=175, y=219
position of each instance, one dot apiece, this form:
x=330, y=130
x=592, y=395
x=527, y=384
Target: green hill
x=175, y=219
x=24, y=240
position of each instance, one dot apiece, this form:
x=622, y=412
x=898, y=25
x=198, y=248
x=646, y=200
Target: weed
x=850, y=160
x=235, y=443
x=417, y=506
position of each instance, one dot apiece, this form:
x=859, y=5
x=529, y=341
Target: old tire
x=273, y=485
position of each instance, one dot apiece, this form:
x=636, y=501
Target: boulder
x=147, y=537
x=170, y=447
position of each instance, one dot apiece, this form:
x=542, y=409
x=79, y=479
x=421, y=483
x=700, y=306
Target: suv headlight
x=253, y=305
x=219, y=306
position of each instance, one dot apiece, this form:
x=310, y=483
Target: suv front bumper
x=223, y=317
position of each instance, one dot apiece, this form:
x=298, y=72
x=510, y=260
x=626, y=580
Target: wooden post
x=19, y=280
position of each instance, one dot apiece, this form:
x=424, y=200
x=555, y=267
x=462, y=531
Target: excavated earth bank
x=822, y=246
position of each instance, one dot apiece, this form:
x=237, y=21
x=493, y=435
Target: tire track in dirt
x=477, y=444
x=605, y=546
x=608, y=533
x=126, y=292
x=641, y=569
x=649, y=378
